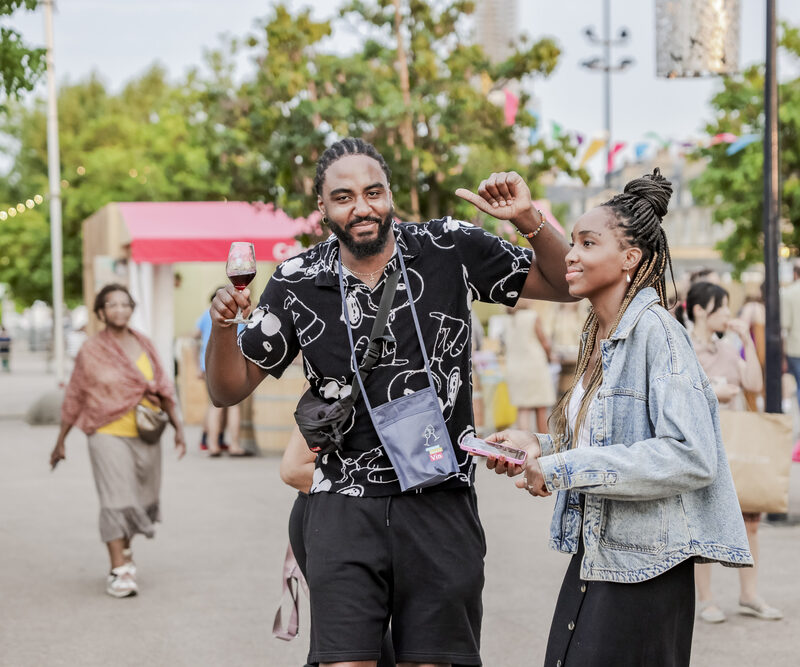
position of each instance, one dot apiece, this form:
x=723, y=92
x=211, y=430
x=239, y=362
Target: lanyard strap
x=346, y=315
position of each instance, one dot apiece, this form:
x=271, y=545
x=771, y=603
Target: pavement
x=210, y=581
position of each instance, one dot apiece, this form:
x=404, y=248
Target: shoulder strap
x=377, y=336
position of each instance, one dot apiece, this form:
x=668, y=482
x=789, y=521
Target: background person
x=297, y=471
x=790, y=323
x=643, y=484
x=114, y=371
x=528, y=374
x=707, y=308
x=5, y=349
x=217, y=420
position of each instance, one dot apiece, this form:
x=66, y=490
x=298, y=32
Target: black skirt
x=605, y=624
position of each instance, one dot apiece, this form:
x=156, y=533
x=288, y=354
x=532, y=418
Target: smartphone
x=475, y=445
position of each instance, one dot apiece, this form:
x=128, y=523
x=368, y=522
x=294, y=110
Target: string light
x=38, y=199
x=21, y=207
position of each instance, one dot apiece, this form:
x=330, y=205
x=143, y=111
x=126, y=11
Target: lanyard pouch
x=411, y=428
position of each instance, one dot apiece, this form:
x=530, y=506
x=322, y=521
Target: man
x=374, y=554
x=790, y=316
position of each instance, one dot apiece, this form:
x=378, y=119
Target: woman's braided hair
x=343, y=147
x=637, y=213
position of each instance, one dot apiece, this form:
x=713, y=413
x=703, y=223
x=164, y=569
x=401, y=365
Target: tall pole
x=607, y=83
x=54, y=176
x=771, y=219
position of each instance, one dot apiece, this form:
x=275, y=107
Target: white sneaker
x=128, y=555
x=121, y=582
x=760, y=609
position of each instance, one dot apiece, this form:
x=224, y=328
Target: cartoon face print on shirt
x=273, y=341
x=308, y=326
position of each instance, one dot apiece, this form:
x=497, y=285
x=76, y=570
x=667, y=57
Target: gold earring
x=628, y=277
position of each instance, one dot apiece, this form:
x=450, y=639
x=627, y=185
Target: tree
x=139, y=145
x=303, y=96
x=257, y=138
x=733, y=184
x=20, y=64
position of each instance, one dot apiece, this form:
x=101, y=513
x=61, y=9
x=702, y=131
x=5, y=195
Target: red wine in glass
x=242, y=280
x=241, y=269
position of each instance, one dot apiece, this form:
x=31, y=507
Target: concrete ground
x=210, y=581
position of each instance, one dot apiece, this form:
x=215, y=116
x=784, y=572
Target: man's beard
x=362, y=249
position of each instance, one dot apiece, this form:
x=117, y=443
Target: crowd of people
x=385, y=527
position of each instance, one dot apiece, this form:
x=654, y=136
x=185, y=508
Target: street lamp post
x=604, y=65
x=771, y=222
x=54, y=177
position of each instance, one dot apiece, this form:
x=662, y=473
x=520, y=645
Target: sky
x=120, y=39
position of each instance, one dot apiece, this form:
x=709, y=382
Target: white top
x=582, y=439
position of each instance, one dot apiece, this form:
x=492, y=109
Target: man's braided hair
x=637, y=213
x=342, y=148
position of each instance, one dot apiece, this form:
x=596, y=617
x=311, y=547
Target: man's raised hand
x=503, y=195
x=226, y=304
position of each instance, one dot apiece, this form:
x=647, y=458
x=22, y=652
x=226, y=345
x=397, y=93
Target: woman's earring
x=628, y=277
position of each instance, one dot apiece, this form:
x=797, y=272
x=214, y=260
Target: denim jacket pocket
x=639, y=526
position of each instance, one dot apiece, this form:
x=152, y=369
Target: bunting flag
x=591, y=150
x=741, y=142
x=664, y=143
x=639, y=150
x=512, y=105
x=579, y=138
x=614, y=150
x=723, y=138
x=534, y=135
x=557, y=129
x=486, y=83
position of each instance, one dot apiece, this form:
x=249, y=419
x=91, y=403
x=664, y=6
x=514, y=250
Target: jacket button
x=583, y=588
x=558, y=663
x=571, y=625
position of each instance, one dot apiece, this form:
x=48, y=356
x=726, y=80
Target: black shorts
x=416, y=560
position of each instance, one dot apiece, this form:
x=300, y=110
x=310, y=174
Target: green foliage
x=302, y=96
x=20, y=64
x=138, y=145
x=733, y=184
x=218, y=134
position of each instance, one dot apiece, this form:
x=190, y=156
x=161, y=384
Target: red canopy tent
x=169, y=232
x=136, y=243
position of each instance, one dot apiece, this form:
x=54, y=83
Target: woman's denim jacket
x=657, y=482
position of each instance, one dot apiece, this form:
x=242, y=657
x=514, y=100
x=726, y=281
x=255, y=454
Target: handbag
x=293, y=581
x=411, y=428
x=150, y=423
x=759, y=450
x=321, y=423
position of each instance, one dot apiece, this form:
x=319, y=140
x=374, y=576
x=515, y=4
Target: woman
x=707, y=307
x=114, y=371
x=528, y=374
x=643, y=484
x=297, y=470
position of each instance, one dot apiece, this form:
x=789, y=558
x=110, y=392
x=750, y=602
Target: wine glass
x=241, y=269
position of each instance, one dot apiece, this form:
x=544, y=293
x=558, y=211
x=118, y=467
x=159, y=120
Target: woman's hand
x=740, y=328
x=726, y=392
x=58, y=453
x=533, y=479
x=519, y=440
x=180, y=443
